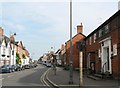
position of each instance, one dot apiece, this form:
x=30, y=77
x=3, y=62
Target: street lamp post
x=80, y=46
x=71, y=63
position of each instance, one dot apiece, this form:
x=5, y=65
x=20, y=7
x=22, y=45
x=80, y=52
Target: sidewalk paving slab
x=62, y=79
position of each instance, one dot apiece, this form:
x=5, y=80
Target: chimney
x=1, y=31
x=12, y=38
x=80, y=28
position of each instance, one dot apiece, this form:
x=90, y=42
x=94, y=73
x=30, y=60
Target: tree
x=23, y=56
x=17, y=58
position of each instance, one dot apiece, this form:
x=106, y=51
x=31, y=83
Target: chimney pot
x=80, y=28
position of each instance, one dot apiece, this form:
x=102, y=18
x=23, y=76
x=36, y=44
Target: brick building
x=103, y=47
x=75, y=52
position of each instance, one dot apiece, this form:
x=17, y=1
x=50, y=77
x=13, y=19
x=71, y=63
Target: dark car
x=7, y=68
x=14, y=68
x=27, y=66
x=17, y=67
x=35, y=65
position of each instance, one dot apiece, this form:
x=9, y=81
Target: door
x=106, y=64
x=108, y=67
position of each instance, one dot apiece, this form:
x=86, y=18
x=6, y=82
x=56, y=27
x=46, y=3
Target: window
x=90, y=40
x=94, y=37
x=106, y=28
x=100, y=33
x=99, y=53
x=115, y=49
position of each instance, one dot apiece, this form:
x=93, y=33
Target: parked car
x=7, y=68
x=48, y=64
x=44, y=62
x=14, y=68
x=18, y=67
x=35, y=65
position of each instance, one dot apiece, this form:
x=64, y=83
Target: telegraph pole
x=71, y=63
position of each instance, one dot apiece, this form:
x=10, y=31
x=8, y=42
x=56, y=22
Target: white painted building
x=3, y=48
x=13, y=54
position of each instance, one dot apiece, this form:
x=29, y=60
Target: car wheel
x=13, y=70
x=10, y=70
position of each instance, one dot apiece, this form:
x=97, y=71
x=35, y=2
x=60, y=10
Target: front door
x=106, y=56
x=107, y=67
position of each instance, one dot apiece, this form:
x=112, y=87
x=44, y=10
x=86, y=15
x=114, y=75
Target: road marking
x=43, y=80
x=2, y=78
x=10, y=75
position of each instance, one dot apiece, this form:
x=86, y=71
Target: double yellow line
x=43, y=79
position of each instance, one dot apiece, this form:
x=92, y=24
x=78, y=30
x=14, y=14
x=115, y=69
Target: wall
x=75, y=52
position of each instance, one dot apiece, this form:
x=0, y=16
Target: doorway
x=106, y=61
x=106, y=56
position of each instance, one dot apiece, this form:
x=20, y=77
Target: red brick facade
x=103, y=46
x=75, y=53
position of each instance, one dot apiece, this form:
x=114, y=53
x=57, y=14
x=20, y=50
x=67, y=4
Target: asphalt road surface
x=28, y=77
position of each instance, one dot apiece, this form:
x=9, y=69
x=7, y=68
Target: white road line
x=10, y=75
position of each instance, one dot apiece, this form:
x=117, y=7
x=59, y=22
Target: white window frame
x=90, y=40
x=107, y=28
x=99, y=53
x=94, y=37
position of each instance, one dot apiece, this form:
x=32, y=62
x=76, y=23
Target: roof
x=103, y=24
x=76, y=35
x=4, y=38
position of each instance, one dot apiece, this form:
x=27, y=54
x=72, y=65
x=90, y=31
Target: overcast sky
x=45, y=24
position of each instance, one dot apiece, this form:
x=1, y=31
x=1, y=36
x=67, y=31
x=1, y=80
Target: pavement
x=61, y=79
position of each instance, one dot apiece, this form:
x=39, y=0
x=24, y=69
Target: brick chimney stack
x=12, y=38
x=1, y=31
x=80, y=28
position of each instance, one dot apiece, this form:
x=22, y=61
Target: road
x=27, y=77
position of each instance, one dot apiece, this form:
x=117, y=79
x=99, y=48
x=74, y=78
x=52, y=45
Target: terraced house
x=5, y=50
x=12, y=52
x=103, y=47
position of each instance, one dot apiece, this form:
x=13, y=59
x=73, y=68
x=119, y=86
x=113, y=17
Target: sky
x=42, y=24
